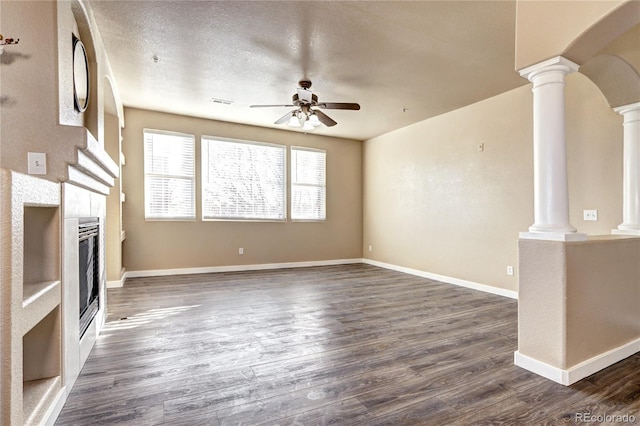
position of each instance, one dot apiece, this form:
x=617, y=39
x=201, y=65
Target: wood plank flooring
x=335, y=345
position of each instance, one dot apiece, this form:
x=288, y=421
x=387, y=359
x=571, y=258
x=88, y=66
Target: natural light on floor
x=142, y=318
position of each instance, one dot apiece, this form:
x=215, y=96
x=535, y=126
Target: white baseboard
x=116, y=283
x=264, y=266
x=120, y=282
x=55, y=409
x=237, y=268
x=450, y=280
x=580, y=371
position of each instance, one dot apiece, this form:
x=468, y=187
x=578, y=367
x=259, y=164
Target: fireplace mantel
x=92, y=168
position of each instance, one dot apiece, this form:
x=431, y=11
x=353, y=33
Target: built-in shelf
x=45, y=298
x=37, y=394
x=41, y=358
x=32, y=292
x=30, y=298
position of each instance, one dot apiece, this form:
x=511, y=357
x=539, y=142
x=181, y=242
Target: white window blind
x=243, y=180
x=308, y=184
x=169, y=175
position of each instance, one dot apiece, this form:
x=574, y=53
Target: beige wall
x=432, y=202
x=542, y=293
x=603, y=296
x=578, y=300
x=29, y=89
x=37, y=113
x=626, y=47
x=157, y=245
x=114, y=214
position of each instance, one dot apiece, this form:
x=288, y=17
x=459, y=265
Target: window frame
x=193, y=216
x=205, y=167
x=293, y=183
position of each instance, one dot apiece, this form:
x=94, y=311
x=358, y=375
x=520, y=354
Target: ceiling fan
x=306, y=114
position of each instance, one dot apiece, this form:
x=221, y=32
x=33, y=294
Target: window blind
x=308, y=184
x=169, y=175
x=243, y=180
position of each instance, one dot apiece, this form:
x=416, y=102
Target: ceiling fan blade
x=339, y=105
x=270, y=106
x=325, y=119
x=285, y=117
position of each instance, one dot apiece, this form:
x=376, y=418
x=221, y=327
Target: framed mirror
x=80, y=75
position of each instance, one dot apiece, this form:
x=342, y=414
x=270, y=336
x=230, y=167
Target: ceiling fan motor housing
x=298, y=102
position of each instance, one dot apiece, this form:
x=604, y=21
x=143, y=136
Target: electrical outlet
x=591, y=215
x=240, y=251
x=370, y=247
x=480, y=147
x=37, y=163
x=509, y=270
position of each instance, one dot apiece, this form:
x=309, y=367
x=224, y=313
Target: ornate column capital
x=559, y=66
x=630, y=112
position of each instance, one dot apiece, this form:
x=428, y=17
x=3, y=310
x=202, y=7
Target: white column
x=630, y=170
x=551, y=191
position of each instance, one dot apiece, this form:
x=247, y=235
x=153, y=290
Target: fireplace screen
x=89, y=260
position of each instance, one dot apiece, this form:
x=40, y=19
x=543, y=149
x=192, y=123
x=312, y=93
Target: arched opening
x=546, y=30
x=603, y=32
x=618, y=81
x=112, y=145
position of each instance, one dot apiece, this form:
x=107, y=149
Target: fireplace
x=89, y=269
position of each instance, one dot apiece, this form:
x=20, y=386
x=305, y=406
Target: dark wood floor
x=339, y=345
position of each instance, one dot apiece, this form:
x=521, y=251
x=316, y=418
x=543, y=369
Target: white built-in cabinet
x=30, y=298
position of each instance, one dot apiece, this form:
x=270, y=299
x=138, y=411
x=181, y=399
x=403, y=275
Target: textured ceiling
x=402, y=61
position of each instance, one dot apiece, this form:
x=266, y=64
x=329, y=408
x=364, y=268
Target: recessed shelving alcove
x=30, y=298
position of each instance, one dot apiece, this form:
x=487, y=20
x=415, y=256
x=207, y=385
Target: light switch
x=37, y=163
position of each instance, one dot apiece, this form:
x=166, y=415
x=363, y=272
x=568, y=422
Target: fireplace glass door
x=89, y=260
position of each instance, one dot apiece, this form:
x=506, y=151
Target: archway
x=113, y=145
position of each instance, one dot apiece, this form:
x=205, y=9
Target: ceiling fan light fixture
x=308, y=126
x=294, y=121
x=313, y=120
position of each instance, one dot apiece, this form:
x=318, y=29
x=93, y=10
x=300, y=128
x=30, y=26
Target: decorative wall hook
x=6, y=41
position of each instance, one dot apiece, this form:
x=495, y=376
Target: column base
x=553, y=236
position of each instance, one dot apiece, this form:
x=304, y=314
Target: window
x=308, y=184
x=169, y=175
x=243, y=180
